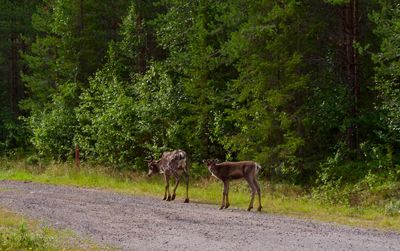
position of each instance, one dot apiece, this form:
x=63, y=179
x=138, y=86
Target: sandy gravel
x=142, y=223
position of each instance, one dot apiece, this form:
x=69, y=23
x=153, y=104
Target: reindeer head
x=153, y=167
x=210, y=163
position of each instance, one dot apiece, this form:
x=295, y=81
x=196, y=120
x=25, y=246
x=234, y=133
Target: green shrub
x=372, y=189
x=123, y=123
x=13, y=137
x=23, y=239
x=198, y=170
x=32, y=160
x=393, y=208
x=53, y=128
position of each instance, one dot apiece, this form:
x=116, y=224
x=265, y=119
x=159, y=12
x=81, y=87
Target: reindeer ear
x=149, y=160
x=207, y=162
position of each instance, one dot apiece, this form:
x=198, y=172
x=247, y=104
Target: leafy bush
x=393, y=208
x=32, y=160
x=372, y=189
x=375, y=159
x=122, y=123
x=198, y=170
x=373, y=181
x=16, y=136
x=54, y=128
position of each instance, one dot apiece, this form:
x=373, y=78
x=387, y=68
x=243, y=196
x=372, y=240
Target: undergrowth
x=20, y=233
x=369, y=203
x=21, y=238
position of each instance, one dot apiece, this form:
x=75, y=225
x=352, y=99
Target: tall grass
x=282, y=199
x=19, y=233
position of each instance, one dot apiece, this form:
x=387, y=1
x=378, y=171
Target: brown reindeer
x=227, y=171
x=175, y=164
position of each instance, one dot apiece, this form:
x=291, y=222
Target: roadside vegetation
x=19, y=233
x=308, y=89
x=368, y=208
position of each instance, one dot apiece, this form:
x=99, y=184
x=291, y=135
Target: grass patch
x=279, y=199
x=19, y=233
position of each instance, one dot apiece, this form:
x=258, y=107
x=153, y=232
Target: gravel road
x=143, y=223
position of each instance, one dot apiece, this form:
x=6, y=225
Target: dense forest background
x=309, y=89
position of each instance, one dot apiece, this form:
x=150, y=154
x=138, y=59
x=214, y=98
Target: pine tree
x=126, y=112
x=268, y=102
x=193, y=33
x=72, y=42
x=15, y=32
x=388, y=69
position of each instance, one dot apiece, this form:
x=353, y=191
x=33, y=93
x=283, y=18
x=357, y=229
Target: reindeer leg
x=226, y=195
x=253, y=192
x=223, y=195
x=166, y=177
x=258, y=193
x=176, y=186
x=187, y=188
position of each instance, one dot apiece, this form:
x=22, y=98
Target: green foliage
x=269, y=81
x=69, y=49
x=19, y=233
x=266, y=109
x=393, y=208
x=193, y=34
x=105, y=116
x=15, y=136
x=120, y=121
x=377, y=160
x=388, y=69
x=282, y=198
x=374, y=181
x=15, y=34
x=371, y=190
x=54, y=128
x=23, y=239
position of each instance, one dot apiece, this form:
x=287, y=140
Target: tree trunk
x=141, y=58
x=15, y=86
x=80, y=74
x=351, y=67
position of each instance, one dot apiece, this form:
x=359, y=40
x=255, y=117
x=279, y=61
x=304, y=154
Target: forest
x=310, y=89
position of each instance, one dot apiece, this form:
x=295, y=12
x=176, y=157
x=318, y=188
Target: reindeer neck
x=213, y=172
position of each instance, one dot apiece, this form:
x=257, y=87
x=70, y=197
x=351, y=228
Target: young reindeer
x=175, y=164
x=227, y=171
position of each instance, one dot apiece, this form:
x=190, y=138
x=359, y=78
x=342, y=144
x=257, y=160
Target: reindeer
x=227, y=171
x=175, y=164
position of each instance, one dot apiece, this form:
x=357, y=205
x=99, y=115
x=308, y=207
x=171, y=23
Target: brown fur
x=175, y=164
x=227, y=171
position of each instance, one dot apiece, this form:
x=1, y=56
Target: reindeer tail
x=258, y=167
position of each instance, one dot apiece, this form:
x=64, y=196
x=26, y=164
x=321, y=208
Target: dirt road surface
x=142, y=223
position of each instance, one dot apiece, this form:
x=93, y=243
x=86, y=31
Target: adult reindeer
x=227, y=171
x=175, y=164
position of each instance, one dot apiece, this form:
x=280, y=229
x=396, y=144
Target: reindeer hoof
x=164, y=198
x=222, y=207
x=227, y=206
x=248, y=209
x=173, y=197
x=169, y=198
x=259, y=209
x=186, y=200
